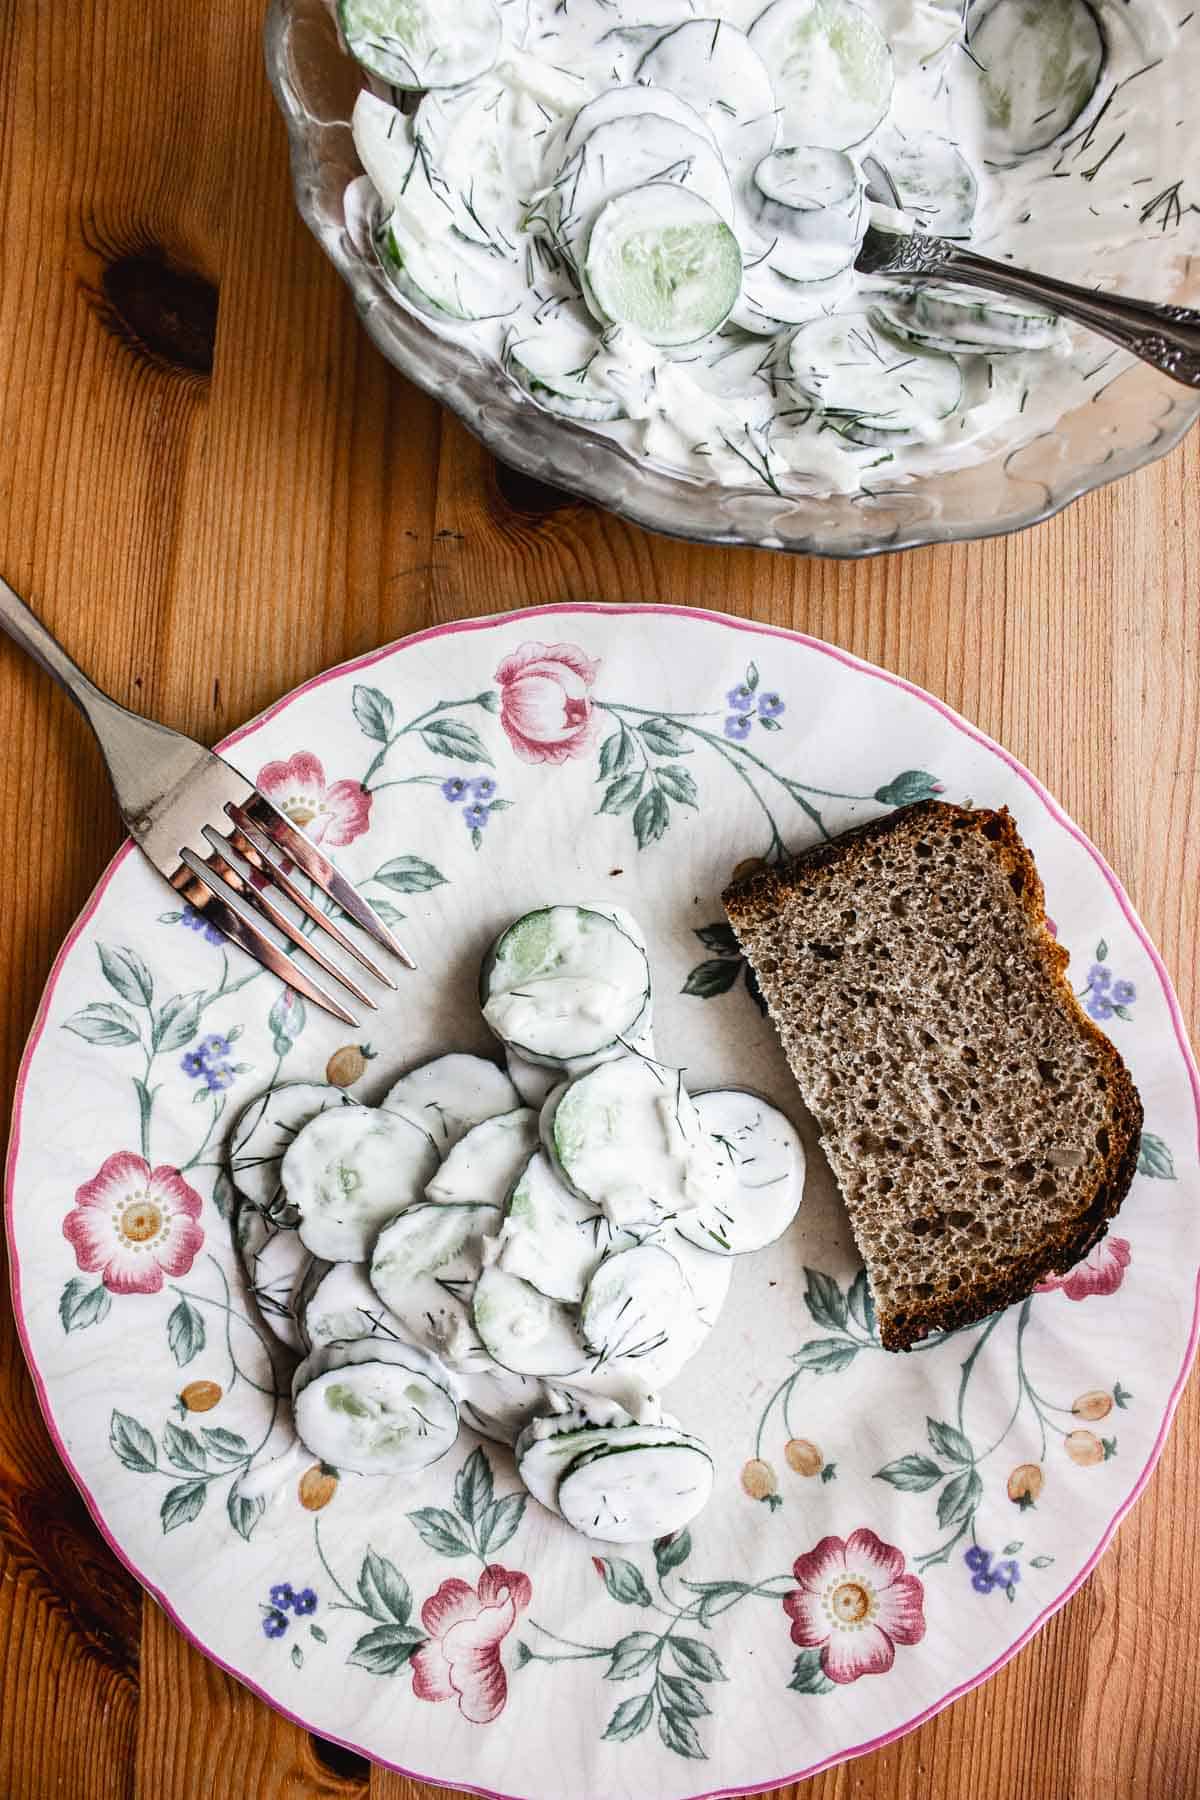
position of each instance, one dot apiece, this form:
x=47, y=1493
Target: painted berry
x=1025, y=1484
x=348, y=1065
x=803, y=1456
x=758, y=1479
x=318, y=1485
x=1084, y=1448
x=1095, y=1404
x=200, y=1396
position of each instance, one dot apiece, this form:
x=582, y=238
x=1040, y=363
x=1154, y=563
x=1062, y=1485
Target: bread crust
x=758, y=898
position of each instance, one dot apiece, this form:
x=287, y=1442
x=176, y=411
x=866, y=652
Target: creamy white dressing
x=491, y=197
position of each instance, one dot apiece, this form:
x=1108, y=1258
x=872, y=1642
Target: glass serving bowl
x=1139, y=416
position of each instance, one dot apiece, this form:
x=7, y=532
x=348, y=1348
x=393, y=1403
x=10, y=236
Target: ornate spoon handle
x=1166, y=337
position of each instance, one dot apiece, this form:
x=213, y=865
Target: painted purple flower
x=304, y=1602
x=769, y=706
x=483, y=787
x=1099, y=977
x=982, y=1583
x=737, y=727
x=455, y=788
x=1124, y=993
x=1099, y=1005
x=209, y=1062
x=741, y=698
x=196, y=921
x=282, y=1596
x=274, y=1622
x=476, y=816
x=976, y=1559
x=1006, y=1574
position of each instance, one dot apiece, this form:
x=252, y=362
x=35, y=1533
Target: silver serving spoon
x=1166, y=337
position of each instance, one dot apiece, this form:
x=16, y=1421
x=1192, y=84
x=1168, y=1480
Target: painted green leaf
x=669, y=1552
x=182, y=1504
x=224, y=1195
x=678, y=785
x=1040, y=1562
x=911, y=1474
x=824, y=1300
x=633, y=1715
x=409, y=875
x=178, y=1021
x=80, y=1304
x=1123, y=1012
x=708, y=979
x=386, y=1650
x=947, y=1440
x=679, y=1734
x=1102, y=951
x=631, y=1654
x=315, y=1632
x=489, y=700
x=440, y=1530
x=185, y=1332
x=651, y=817
x=286, y=1020
x=1121, y=1395
x=473, y=1488
x=522, y=1654
x=124, y=970
x=623, y=1580
x=682, y=1695
x=244, y=1510
x=451, y=737
x=375, y=713
x=663, y=736
x=907, y=788
x=959, y=1498
x=752, y=676
x=145, y=1100
x=1014, y=1548
x=719, y=937
x=696, y=1659
x=226, y=1446
x=184, y=1449
x=716, y=1596
x=615, y=753
x=391, y=915
x=862, y=1304
x=103, y=1022
x=499, y=1523
x=826, y=1356
x=297, y=1657
x=132, y=1444
x=622, y=793
x=1155, y=1159
x=383, y=1590
x=808, y=1677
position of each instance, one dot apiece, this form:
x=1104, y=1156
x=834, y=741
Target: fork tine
x=259, y=811
x=237, y=922
x=249, y=844
x=234, y=878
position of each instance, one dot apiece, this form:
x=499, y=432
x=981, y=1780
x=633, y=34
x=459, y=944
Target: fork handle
x=28, y=631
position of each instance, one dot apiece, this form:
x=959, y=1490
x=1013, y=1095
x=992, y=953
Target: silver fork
x=174, y=796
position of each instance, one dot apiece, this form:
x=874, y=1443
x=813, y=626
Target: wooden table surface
x=212, y=487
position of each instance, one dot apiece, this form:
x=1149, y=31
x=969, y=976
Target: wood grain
x=213, y=488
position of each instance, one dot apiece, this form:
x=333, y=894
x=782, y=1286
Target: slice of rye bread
x=982, y=1129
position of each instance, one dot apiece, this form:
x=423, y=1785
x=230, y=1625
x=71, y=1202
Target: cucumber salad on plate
x=646, y=213
x=532, y=1251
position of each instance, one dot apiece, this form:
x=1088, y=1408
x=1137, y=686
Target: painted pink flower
x=333, y=814
x=1101, y=1272
x=466, y=1627
x=544, y=702
x=134, y=1224
x=855, y=1603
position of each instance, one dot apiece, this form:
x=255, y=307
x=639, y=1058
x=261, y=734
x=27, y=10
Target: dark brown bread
x=982, y=1129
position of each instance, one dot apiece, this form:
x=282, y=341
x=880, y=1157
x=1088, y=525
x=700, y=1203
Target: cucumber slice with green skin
x=553, y=367
x=850, y=369
x=452, y=1094
x=712, y=66
x=483, y=1166
x=632, y=1493
x=886, y=317
x=628, y=1139
x=263, y=1131
x=498, y=1404
x=1037, y=67
x=831, y=67
x=978, y=323
x=533, y=1083
x=934, y=182
x=421, y=44
x=351, y=1170
x=811, y=195
x=276, y=1266
x=336, y=1304
x=632, y=101
x=546, y=1449
x=384, y=143
x=664, y=262
x=764, y=1150
x=553, y=1239
x=524, y=1331
x=446, y=277
x=772, y=302
x=708, y=1278
x=565, y=982
x=425, y=1268
x=637, y=1314
x=631, y=153
x=374, y=1407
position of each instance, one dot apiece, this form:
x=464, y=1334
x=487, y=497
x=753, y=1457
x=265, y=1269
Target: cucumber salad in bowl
x=645, y=213
x=532, y=1251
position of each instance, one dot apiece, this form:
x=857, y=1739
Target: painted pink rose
x=855, y=1603
x=466, y=1628
x=1101, y=1272
x=544, y=703
x=333, y=813
x=135, y=1224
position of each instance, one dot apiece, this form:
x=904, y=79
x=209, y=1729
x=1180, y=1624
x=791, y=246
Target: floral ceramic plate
x=885, y=1530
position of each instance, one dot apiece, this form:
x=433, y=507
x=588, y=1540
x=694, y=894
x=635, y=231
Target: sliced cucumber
x=548, y=1446
x=425, y=1268
x=446, y=277
x=712, y=66
x=418, y=43
x=630, y=153
x=484, y=1164
x=523, y=1330
x=349, y=1171
x=831, y=67
x=628, y=1139
x=563, y=983
x=977, y=323
x=532, y=1082
x=553, y=1239
x=934, y=182
x=451, y=1094
x=374, y=1407
x=771, y=301
x=628, y=102
x=498, y=1404
x=554, y=366
x=637, y=1314
x=764, y=1151
x=631, y=1493
x=886, y=317
x=264, y=1129
x=707, y=1276
x=815, y=196
x=276, y=1265
x=337, y=1303
x=663, y=261
x=1038, y=67
x=850, y=369
x=384, y=142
